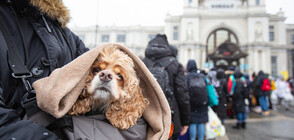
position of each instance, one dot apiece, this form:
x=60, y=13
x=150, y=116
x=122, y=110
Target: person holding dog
x=34, y=40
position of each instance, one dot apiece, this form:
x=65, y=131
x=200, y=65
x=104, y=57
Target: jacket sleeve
x=76, y=42
x=182, y=95
x=12, y=127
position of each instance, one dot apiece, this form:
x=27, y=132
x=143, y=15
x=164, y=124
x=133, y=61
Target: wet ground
x=279, y=125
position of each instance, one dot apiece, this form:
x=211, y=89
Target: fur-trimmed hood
x=57, y=93
x=54, y=9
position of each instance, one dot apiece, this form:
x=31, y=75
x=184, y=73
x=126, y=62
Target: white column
x=203, y=58
x=269, y=64
x=198, y=55
x=193, y=53
x=186, y=55
x=263, y=61
x=256, y=60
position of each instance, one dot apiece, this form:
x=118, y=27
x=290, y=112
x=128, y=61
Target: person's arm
x=12, y=127
x=182, y=96
x=75, y=42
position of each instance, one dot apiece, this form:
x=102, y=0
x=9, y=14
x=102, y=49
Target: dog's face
x=110, y=75
x=113, y=87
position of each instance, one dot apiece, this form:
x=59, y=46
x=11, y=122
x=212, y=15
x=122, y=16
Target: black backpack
x=158, y=69
x=197, y=90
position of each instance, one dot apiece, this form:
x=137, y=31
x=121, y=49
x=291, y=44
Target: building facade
x=205, y=25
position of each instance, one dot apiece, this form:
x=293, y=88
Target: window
x=176, y=28
x=190, y=2
x=271, y=36
x=271, y=33
x=121, y=38
x=274, y=66
x=151, y=36
x=176, y=33
x=257, y=2
x=292, y=39
x=219, y=36
x=105, y=38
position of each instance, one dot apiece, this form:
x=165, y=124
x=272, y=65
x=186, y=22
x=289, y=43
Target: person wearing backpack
x=262, y=88
x=239, y=96
x=221, y=87
x=159, y=55
x=198, y=101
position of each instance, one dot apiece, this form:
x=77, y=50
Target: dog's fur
x=112, y=87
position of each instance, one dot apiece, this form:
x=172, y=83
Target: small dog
x=113, y=88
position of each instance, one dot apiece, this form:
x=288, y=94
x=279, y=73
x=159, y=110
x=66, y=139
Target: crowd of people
x=36, y=32
x=237, y=93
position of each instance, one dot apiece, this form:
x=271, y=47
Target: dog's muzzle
x=105, y=76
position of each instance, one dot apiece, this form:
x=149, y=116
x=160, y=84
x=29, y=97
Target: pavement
x=279, y=125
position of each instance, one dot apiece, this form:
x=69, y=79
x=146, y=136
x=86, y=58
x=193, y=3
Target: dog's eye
x=120, y=77
x=96, y=70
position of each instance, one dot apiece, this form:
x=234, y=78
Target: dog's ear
x=123, y=113
x=84, y=101
x=83, y=104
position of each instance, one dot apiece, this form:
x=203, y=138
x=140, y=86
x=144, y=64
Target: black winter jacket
x=49, y=45
x=222, y=90
x=177, y=81
x=240, y=94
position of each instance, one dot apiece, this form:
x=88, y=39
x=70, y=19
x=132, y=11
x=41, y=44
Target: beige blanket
x=57, y=93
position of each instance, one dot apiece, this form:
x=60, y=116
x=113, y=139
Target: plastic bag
x=288, y=96
x=214, y=126
x=274, y=97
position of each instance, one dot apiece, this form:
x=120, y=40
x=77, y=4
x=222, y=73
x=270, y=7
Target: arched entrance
x=223, y=49
x=225, y=55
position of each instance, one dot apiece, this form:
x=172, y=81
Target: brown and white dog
x=112, y=87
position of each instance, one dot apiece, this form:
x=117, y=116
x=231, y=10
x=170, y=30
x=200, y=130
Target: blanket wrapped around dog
x=57, y=93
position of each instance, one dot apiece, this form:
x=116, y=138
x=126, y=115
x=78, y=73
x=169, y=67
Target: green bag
x=212, y=97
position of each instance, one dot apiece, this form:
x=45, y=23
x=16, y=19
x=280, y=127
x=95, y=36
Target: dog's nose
x=105, y=76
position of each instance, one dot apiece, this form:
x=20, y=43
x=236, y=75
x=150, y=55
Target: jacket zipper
x=45, y=22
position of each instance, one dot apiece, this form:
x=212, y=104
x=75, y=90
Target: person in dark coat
x=38, y=31
x=239, y=95
x=231, y=87
x=222, y=90
x=181, y=108
x=199, y=113
x=262, y=95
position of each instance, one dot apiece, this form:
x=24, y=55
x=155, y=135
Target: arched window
x=219, y=36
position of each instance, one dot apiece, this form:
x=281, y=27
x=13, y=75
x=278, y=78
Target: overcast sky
x=143, y=12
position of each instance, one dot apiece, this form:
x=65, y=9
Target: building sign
x=226, y=53
x=223, y=4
